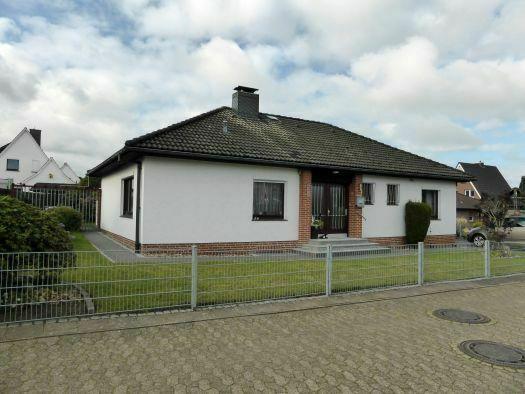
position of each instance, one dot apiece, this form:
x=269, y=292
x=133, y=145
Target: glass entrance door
x=329, y=203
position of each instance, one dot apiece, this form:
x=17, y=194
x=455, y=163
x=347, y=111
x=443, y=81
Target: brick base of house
x=247, y=247
x=219, y=247
x=430, y=240
x=128, y=243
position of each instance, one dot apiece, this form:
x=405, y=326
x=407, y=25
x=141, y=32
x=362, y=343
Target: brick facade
x=128, y=243
x=430, y=240
x=305, y=205
x=211, y=247
x=355, y=218
x=219, y=247
x=462, y=186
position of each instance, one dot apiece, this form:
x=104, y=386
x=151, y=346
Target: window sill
x=269, y=220
x=127, y=216
x=12, y=170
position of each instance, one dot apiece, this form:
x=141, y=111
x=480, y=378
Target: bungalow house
x=236, y=178
x=23, y=161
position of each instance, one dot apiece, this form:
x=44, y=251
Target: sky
x=442, y=79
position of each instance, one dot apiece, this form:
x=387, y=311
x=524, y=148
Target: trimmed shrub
x=69, y=217
x=24, y=228
x=417, y=221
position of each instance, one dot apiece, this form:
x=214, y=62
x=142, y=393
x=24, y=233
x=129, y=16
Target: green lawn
x=138, y=286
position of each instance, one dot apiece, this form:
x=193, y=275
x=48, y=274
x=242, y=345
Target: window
x=127, y=197
x=469, y=193
x=392, y=194
x=268, y=201
x=13, y=165
x=431, y=198
x=368, y=193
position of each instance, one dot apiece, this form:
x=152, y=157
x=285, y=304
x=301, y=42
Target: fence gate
x=85, y=200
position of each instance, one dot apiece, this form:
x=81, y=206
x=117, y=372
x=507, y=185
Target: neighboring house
x=488, y=181
x=23, y=161
x=235, y=178
x=467, y=208
x=68, y=171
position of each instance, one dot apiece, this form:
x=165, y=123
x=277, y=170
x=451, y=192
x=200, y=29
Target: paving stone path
x=392, y=345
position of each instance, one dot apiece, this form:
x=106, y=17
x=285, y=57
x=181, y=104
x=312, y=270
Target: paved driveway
x=347, y=343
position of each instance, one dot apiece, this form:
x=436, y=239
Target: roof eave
x=239, y=159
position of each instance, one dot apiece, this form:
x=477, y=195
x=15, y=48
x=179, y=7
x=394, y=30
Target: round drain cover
x=460, y=316
x=494, y=353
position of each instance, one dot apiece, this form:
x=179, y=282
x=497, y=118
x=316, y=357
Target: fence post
x=329, y=270
x=194, y=277
x=487, y=259
x=420, y=263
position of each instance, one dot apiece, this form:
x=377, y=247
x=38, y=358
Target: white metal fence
x=41, y=286
x=83, y=199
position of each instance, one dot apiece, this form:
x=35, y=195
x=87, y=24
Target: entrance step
x=342, y=246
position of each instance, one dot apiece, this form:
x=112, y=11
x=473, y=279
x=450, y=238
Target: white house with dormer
x=23, y=161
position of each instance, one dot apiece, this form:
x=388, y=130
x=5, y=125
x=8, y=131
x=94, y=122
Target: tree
x=89, y=181
x=494, y=212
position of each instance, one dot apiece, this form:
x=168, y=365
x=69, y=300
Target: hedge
x=417, y=221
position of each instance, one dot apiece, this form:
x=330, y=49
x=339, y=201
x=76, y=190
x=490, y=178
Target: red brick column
x=355, y=220
x=305, y=205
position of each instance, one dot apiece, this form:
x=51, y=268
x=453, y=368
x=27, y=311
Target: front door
x=329, y=203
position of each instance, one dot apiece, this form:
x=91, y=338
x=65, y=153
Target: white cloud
x=433, y=77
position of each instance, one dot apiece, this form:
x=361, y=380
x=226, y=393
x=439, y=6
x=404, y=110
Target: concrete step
x=356, y=251
x=342, y=246
x=338, y=241
x=322, y=248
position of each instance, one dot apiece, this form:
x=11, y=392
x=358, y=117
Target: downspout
x=138, y=207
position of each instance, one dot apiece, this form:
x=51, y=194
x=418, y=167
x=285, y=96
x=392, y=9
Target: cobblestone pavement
x=389, y=345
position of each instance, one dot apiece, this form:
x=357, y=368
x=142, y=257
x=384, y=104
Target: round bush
x=417, y=221
x=70, y=218
x=25, y=228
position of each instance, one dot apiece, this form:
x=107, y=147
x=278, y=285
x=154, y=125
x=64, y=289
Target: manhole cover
x=460, y=316
x=494, y=353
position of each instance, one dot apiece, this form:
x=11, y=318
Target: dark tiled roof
x=3, y=147
x=489, y=180
x=466, y=202
x=284, y=140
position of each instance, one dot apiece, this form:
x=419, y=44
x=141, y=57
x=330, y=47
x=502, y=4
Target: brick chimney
x=37, y=135
x=246, y=102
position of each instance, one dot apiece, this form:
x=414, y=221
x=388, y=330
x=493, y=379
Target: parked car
x=478, y=235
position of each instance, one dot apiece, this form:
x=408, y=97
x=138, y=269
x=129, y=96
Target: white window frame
x=285, y=199
x=438, y=193
x=10, y=159
x=122, y=192
x=469, y=193
x=372, y=192
x=397, y=188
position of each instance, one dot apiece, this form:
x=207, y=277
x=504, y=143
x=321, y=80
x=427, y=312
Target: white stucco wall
x=186, y=201
x=110, y=215
x=383, y=220
x=26, y=150
x=49, y=173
